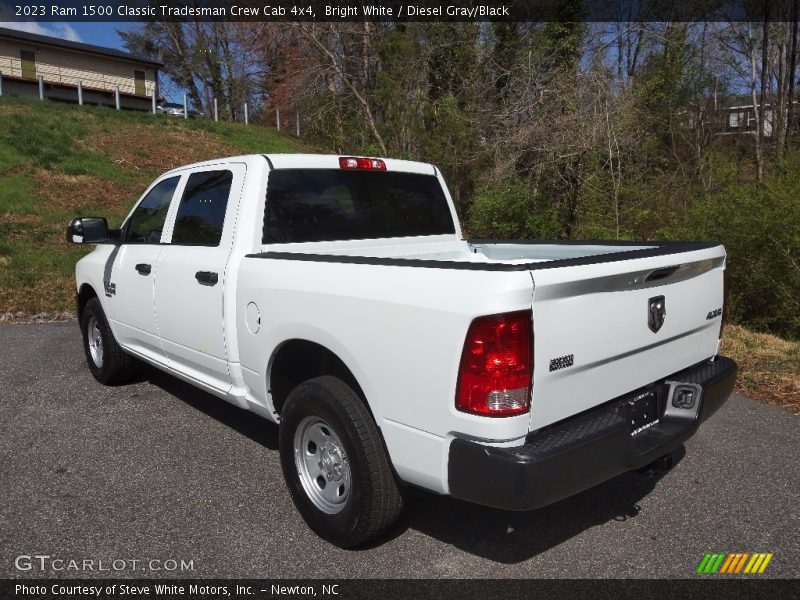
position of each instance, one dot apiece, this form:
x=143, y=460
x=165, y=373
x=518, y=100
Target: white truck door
x=191, y=271
x=132, y=269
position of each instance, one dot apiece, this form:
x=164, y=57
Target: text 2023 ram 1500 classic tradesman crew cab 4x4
x=336, y=297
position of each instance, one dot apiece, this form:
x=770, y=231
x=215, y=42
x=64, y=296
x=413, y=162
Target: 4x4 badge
x=656, y=312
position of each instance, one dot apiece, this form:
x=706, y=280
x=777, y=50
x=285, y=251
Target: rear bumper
x=588, y=449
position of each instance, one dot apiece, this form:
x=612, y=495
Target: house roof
x=744, y=101
x=738, y=101
x=35, y=38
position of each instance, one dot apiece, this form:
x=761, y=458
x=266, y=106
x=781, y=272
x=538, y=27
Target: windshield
x=314, y=205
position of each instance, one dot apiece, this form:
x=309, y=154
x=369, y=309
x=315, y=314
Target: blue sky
x=99, y=34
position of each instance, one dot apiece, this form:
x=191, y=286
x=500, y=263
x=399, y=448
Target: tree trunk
x=201, y=42
x=175, y=31
x=792, y=75
x=347, y=79
x=230, y=79
x=330, y=84
x=779, y=103
x=761, y=123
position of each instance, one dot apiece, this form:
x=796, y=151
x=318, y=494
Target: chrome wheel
x=322, y=465
x=95, y=339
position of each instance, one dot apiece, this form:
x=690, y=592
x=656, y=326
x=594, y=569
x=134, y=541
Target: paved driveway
x=159, y=470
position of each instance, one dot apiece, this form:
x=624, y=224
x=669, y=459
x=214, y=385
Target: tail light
x=355, y=162
x=496, y=370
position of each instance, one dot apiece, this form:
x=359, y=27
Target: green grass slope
x=59, y=160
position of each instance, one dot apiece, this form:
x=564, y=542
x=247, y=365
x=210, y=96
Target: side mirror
x=87, y=230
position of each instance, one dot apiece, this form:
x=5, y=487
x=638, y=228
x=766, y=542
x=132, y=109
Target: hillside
x=58, y=161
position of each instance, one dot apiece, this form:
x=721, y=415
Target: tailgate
x=603, y=330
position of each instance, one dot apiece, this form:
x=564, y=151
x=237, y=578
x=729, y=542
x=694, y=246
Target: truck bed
x=477, y=254
x=589, y=300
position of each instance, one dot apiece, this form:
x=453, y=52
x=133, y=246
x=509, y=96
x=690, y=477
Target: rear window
x=316, y=205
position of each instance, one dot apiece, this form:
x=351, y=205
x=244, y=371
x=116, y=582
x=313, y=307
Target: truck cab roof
x=312, y=161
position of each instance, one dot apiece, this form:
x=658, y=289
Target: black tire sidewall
x=312, y=399
x=94, y=309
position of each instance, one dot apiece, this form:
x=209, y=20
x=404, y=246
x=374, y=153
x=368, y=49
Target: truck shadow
x=247, y=423
x=498, y=535
x=512, y=537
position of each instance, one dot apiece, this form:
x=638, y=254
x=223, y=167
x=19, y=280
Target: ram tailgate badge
x=656, y=312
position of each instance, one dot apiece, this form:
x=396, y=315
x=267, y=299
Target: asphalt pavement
x=156, y=470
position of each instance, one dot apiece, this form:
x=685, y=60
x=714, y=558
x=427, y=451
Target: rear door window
x=201, y=213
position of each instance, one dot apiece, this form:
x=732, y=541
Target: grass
x=58, y=161
x=16, y=195
x=769, y=367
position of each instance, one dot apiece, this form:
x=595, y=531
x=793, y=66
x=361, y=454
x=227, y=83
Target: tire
x=351, y=497
x=108, y=363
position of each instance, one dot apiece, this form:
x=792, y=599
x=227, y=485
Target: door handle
x=206, y=278
x=143, y=269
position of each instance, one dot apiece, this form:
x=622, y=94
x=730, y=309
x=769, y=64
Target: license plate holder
x=643, y=411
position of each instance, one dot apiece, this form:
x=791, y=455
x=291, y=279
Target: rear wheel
x=108, y=362
x=322, y=465
x=335, y=464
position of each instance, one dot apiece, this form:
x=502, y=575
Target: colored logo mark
x=734, y=563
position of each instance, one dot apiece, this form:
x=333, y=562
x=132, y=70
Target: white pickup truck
x=337, y=297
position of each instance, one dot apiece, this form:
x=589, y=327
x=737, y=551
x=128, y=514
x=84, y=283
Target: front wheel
x=107, y=361
x=335, y=464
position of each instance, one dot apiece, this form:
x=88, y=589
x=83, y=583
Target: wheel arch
x=297, y=360
x=85, y=293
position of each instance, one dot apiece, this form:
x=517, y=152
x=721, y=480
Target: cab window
x=201, y=213
x=147, y=221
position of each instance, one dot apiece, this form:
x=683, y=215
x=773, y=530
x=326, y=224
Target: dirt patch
x=23, y=227
x=61, y=192
x=16, y=219
x=133, y=148
x=12, y=110
x=50, y=293
x=769, y=367
x=15, y=227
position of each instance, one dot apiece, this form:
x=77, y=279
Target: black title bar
x=700, y=588
x=397, y=10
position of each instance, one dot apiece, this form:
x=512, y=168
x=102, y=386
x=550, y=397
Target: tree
x=205, y=59
x=345, y=50
x=167, y=42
